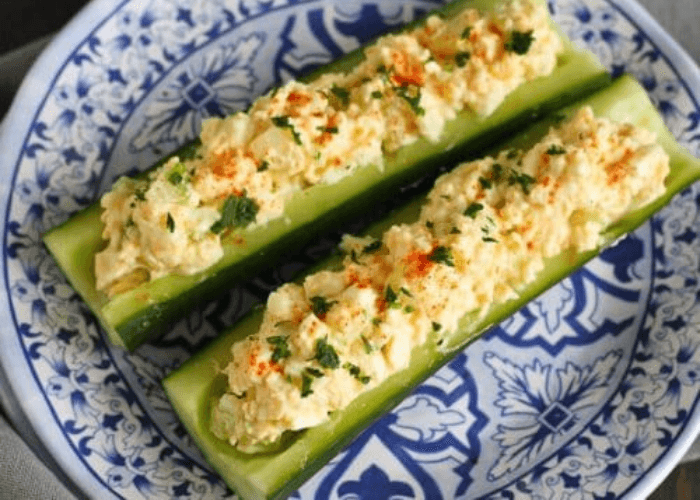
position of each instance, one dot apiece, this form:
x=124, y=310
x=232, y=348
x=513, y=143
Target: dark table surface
x=29, y=24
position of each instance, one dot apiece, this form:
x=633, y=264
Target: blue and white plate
x=589, y=392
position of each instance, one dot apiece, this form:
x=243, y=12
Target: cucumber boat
x=194, y=388
x=143, y=313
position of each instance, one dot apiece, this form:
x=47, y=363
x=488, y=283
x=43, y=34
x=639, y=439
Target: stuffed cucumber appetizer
x=278, y=395
x=310, y=154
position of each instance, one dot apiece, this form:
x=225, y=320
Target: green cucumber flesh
x=144, y=313
x=194, y=386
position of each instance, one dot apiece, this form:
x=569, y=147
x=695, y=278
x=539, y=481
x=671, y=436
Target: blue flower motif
x=216, y=84
x=423, y=419
x=539, y=404
x=595, y=25
x=374, y=484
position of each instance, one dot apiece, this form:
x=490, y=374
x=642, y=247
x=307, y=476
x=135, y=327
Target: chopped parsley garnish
x=409, y=309
x=326, y=355
x=442, y=255
x=189, y=151
x=429, y=224
x=372, y=247
x=238, y=211
x=320, y=305
x=519, y=42
x=176, y=174
x=264, y=165
x=280, y=349
x=496, y=172
x=366, y=343
x=342, y=94
x=461, y=58
x=467, y=31
x=525, y=181
x=314, y=372
x=489, y=239
x=140, y=193
x=405, y=291
x=436, y=326
x=473, y=209
x=485, y=183
x=455, y=230
x=377, y=94
x=330, y=130
x=391, y=297
x=282, y=121
x=306, y=385
x=170, y=223
x=512, y=154
x=556, y=150
x=412, y=100
x=355, y=371
x=130, y=222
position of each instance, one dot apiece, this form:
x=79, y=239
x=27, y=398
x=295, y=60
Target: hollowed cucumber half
x=198, y=383
x=145, y=312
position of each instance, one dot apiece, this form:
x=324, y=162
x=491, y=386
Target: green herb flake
x=556, y=150
x=238, y=211
x=176, y=174
x=455, y=230
x=377, y=94
x=366, y=343
x=282, y=121
x=473, y=209
x=170, y=223
x=489, y=239
x=467, y=31
x=391, y=297
x=512, y=154
x=519, y=42
x=306, y=381
x=280, y=348
x=326, y=355
x=264, y=165
x=372, y=247
x=130, y=222
x=485, y=183
x=320, y=305
x=436, y=326
x=409, y=309
x=355, y=371
x=442, y=255
x=189, y=152
x=314, y=372
x=429, y=224
x=461, y=58
x=525, y=181
x=412, y=100
x=342, y=94
x=496, y=172
x=140, y=193
x=405, y=291
x=330, y=130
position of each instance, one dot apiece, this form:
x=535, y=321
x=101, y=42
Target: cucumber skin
x=192, y=387
x=144, y=314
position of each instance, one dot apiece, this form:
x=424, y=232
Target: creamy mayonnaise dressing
x=303, y=134
x=485, y=230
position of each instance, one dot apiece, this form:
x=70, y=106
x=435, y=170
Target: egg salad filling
x=246, y=167
x=485, y=229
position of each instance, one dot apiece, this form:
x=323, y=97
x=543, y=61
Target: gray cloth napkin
x=22, y=476
x=25, y=477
